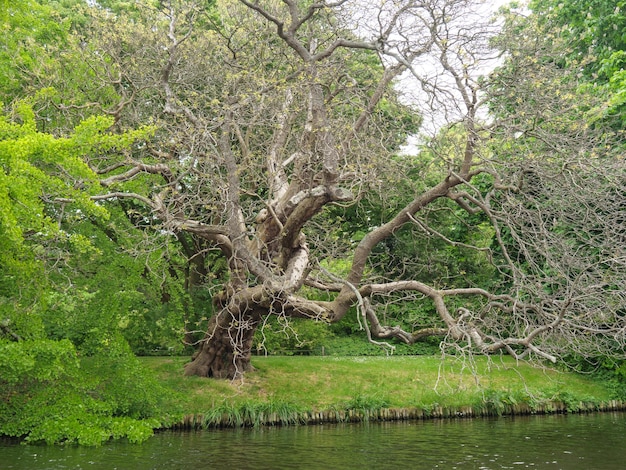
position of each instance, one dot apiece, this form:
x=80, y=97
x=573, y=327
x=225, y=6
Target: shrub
x=46, y=395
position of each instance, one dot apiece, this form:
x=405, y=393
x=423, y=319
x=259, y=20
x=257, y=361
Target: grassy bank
x=289, y=389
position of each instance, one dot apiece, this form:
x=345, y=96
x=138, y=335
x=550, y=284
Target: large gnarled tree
x=270, y=112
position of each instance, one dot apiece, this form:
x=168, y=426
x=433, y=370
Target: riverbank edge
x=248, y=418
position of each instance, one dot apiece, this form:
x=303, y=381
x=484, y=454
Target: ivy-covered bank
x=312, y=390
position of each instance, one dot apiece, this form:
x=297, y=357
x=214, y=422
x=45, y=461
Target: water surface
x=571, y=442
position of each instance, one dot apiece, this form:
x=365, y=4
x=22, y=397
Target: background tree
x=40, y=375
x=597, y=46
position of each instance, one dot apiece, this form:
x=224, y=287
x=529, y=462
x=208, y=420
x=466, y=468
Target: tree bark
x=226, y=349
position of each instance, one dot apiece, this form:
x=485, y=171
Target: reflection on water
x=556, y=442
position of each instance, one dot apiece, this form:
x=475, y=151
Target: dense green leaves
x=45, y=187
x=43, y=181
x=596, y=33
x=30, y=32
x=46, y=395
x=39, y=360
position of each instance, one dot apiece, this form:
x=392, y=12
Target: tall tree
x=52, y=254
x=270, y=113
x=43, y=183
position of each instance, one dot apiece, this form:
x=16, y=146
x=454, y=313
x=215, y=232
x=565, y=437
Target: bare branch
x=124, y=195
x=137, y=168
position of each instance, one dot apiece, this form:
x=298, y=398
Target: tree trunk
x=226, y=349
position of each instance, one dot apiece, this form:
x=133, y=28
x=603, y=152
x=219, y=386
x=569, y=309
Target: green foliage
x=77, y=236
x=115, y=297
x=128, y=389
x=29, y=32
x=253, y=413
x=49, y=234
x=291, y=336
x=613, y=375
x=47, y=396
x=36, y=168
x=594, y=31
x=39, y=360
x=594, y=25
x=114, y=292
x=366, y=404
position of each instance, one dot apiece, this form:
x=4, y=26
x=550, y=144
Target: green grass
x=364, y=383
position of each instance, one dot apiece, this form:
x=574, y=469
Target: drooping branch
x=460, y=328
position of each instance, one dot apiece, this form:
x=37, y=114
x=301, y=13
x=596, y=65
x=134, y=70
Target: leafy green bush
x=47, y=395
x=36, y=360
x=116, y=298
x=119, y=380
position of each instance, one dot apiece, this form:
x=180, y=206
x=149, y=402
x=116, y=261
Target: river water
x=571, y=442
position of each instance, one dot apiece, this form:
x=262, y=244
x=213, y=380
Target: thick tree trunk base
x=227, y=348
